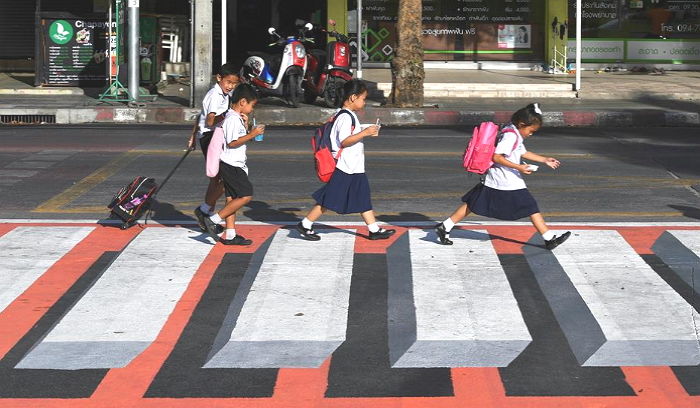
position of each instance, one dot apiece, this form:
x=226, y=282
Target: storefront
x=536, y=31
x=655, y=32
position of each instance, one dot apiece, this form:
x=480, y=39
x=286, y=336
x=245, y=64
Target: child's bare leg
x=315, y=213
x=231, y=219
x=460, y=213
x=551, y=240
x=214, y=191
x=233, y=205
x=538, y=221
x=368, y=217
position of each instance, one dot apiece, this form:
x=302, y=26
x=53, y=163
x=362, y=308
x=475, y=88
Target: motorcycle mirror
x=271, y=30
x=309, y=26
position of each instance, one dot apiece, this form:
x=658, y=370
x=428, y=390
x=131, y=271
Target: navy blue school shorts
x=204, y=142
x=236, y=182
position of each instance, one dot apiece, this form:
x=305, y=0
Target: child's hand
x=372, y=131
x=192, y=143
x=524, y=168
x=258, y=130
x=552, y=162
x=245, y=119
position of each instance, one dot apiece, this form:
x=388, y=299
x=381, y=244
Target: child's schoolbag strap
x=517, y=137
x=352, y=129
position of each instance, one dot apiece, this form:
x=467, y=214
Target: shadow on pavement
x=690, y=212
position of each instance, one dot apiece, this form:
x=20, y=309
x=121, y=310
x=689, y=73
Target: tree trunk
x=407, y=72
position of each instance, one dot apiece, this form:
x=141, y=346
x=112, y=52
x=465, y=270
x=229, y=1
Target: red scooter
x=327, y=71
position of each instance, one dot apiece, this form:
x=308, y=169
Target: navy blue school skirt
x=345, y=193
x=509, y=205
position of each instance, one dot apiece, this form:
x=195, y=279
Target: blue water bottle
x=258, y=138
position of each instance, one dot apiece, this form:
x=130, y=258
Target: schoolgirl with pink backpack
x=502, y=194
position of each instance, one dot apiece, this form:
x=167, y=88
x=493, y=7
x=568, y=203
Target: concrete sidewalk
x=452, y=97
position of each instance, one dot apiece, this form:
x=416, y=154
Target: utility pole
x=134, y=42
x=359, y=39
x=201, y=64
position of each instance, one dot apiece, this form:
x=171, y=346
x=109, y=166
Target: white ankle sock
x=373, y=227
x=448, y=224
x=215, y=218
x=230, y=233
x=205, y=208
x=307, y=223
x=548, y=236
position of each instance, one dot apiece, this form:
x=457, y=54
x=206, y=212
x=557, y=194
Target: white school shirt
x=352, y=158
x=234, y=128
x=216, y=101
x=502, y=177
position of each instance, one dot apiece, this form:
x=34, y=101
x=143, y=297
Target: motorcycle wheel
x=309, y=96
x=291, y=90
x=332, y=94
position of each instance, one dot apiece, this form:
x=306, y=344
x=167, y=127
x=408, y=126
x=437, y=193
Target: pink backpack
x=216, y=147
x=479, y=152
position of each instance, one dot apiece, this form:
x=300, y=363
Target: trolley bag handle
x=165, y=180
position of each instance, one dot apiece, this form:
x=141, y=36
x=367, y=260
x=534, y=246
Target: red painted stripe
x=22, y=314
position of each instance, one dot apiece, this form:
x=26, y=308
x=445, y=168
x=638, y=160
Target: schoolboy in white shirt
x=233, y=168
x=214, y=107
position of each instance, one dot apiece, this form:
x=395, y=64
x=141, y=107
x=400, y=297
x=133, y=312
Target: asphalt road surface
x=631, y=174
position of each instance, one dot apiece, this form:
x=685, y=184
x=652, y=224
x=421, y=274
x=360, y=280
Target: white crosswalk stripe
x=126, y=308
x=621, y=313
x=452, y=306
x=295, y=314
x=27, y=252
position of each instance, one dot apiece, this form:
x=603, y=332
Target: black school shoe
x=443, y=234
x=308, y=234
x=237, y=240
x=556, y=241
x=200, y=218
x=200, y=221
x=381, y=234
x=211, y=228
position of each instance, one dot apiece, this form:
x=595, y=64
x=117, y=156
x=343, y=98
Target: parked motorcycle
x=328, y=70
x=275, y=75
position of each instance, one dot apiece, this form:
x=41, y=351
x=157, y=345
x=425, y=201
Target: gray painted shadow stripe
x=580, y=327
x=224, y=335
x=682, y=260
x=401, y=307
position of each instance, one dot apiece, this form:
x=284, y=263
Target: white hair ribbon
x=537, y=108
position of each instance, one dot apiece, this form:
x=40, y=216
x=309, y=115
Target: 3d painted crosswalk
x=614, y=309
x=295, y=312
x=27, y=252
x=124, y=311
x=448, y=306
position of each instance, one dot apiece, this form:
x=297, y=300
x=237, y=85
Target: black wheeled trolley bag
x=134, y=199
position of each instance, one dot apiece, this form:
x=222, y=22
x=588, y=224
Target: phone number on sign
x=681, y=28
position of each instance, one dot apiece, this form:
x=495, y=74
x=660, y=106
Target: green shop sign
x=61, y=32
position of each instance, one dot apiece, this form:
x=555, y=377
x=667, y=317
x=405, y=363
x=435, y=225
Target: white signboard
x=668, y=50
x=598, y=50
